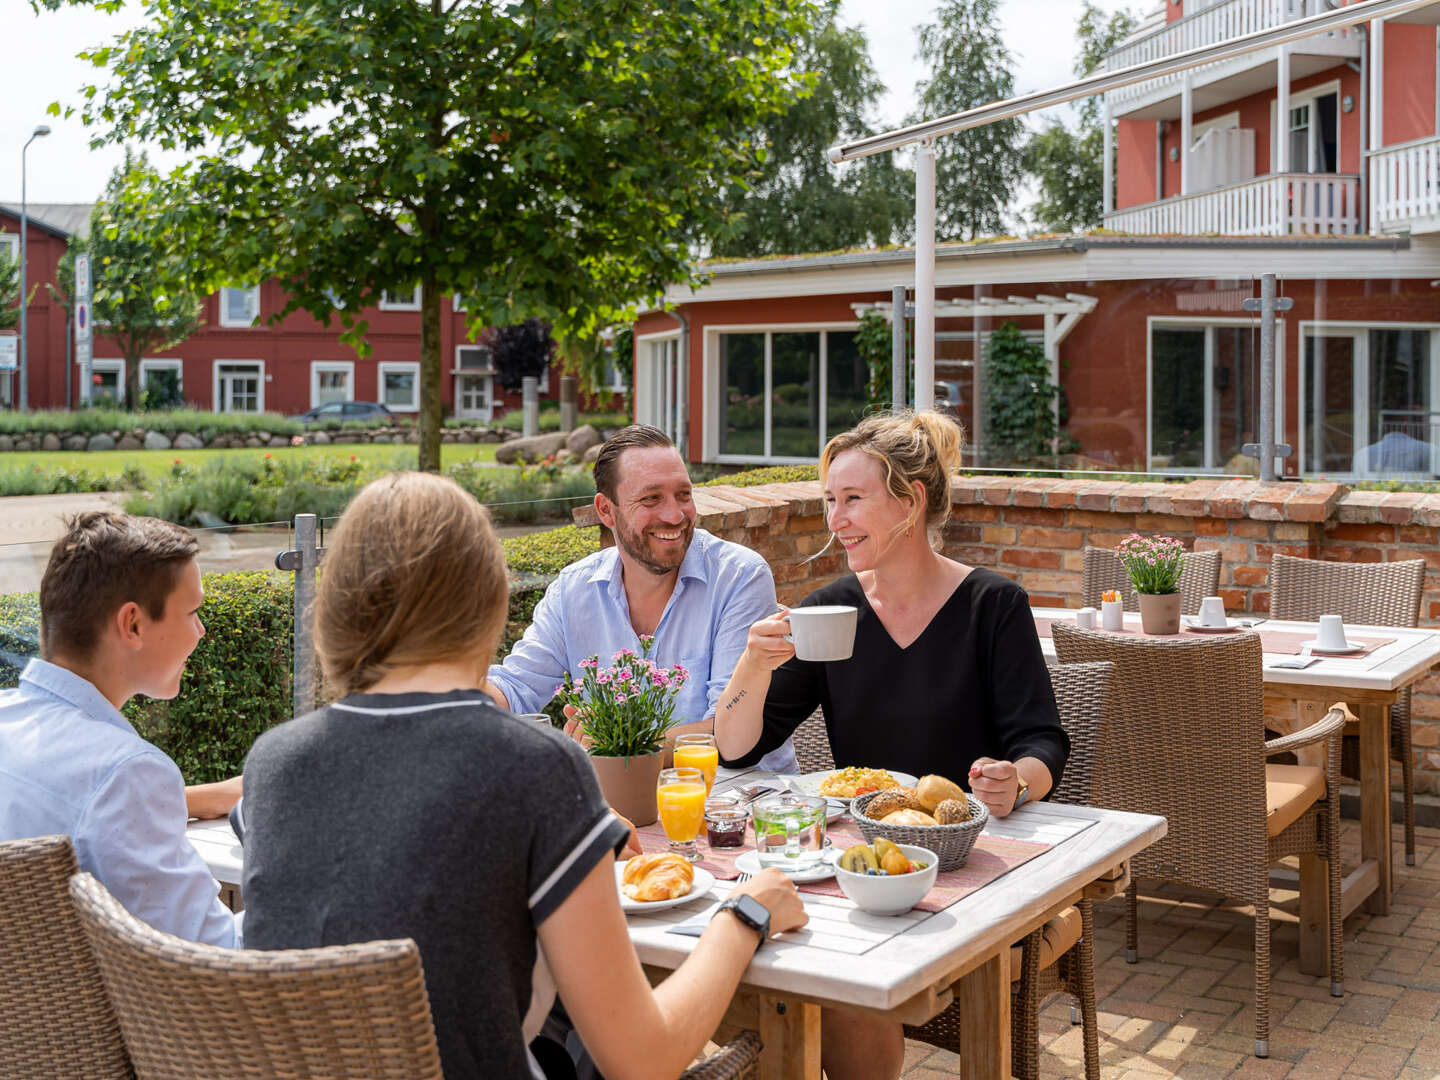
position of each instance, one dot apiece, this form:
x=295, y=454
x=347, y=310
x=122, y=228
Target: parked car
x=348, y=410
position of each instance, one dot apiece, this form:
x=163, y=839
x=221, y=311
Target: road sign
x=82, y=277
x=83, y=330
x=9, y=352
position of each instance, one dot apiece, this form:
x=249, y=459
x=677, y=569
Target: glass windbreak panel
x=334, y=386
x=1177, y=399
x=1402, y=429
x=847, y=376
x=795, y=382
x=1236, y=383
x=1330, y=404
x=742, y=383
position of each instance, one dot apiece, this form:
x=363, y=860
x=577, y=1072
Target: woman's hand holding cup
x=766, y=646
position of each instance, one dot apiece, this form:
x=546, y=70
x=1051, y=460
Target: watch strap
x=760, y=925
x=1022, y=796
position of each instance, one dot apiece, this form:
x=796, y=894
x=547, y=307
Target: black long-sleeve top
x=973, y=684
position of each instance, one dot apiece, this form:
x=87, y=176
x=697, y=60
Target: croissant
x=663, y=876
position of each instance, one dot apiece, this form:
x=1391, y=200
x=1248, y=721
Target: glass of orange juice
x=698, y=752
x=680, y=798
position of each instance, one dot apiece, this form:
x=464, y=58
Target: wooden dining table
x=909, y=967
x=1368, y=684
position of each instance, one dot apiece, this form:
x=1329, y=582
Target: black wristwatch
x=751, y=912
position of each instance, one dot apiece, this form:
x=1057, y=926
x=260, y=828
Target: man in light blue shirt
x=696, y=593
x=119, y=607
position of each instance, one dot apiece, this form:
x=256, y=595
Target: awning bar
x=1298, y=30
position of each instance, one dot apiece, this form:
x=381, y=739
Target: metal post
x=1366, y=221
x=1283, y=164
x=1107, y=197
x=1187, y=131
x=1267, y=450
x=569, y=408
x=529, y=406
x=303, y=561
x=40, y=131
x=899, y=375
x=924, y=276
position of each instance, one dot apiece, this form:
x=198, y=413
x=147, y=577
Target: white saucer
x=1192, y=622
x=749, y=863
x=703, y=882
x=1315, y=647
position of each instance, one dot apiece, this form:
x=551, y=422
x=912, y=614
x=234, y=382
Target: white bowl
x=890, y=894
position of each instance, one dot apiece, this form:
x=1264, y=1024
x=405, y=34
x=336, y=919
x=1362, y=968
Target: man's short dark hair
x=607, y=465
x=104, y=561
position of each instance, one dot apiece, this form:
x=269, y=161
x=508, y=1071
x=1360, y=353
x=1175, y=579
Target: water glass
x=790, y=832
x=680, y=799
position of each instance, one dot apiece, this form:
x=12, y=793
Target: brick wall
x=1035, y=530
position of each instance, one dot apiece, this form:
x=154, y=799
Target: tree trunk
x=430, y=375
x=132, y=381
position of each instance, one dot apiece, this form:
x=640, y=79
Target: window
x=1313, y=129
x=163, y=383
x=476, y=358
x=10, y=245
x=1204, y=395
x=331, y=380
x=239, y=306
x=240, y=386
x=399, y=384
x=400, y=299
x=107, y=381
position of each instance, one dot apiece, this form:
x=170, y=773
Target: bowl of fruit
x=885, y=878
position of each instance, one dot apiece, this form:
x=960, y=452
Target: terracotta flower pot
x=628, y=784
x=1160, y=613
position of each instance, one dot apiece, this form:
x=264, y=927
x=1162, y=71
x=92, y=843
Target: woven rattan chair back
x=55, y=1017
x=1375, y=594
x=1103, y=571
x=1188, y=744
x=189, y=1010
x=812, y=744
x=1085, y=696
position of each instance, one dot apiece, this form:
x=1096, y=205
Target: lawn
x=159, y=461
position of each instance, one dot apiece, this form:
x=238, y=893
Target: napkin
x=696, y=924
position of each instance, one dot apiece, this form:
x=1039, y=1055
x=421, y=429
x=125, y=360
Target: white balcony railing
x=1221, y=21
x=1283, y=205
x=1405, y=187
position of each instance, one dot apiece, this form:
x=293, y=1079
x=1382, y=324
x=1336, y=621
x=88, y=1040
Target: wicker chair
x=812, y=744
x=1190, y=746
x=1103, y=570
x=1061, y=954
x=55, y=1019
x=1375, y=594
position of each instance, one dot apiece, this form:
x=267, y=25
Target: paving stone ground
x=1187, y=1008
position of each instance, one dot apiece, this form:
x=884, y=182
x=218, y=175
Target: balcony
x=1225, y=80
x=1405, y=187
x=1287, y=204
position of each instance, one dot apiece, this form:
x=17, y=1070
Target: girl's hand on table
x=765, y=645
x=996, y=784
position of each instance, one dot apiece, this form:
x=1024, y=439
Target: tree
x=978, y=171
x=539, y=157
x=9, y=290
x=796, y=201
x=519, y=350
x=138, y=289
x=1069, y=164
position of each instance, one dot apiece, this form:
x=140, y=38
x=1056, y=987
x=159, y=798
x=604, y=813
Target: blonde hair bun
x=912, y=446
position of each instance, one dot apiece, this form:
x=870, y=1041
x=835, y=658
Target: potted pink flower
x=1154, y=564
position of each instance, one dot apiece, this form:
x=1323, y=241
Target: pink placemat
x=991, y=858
x=1283, y=642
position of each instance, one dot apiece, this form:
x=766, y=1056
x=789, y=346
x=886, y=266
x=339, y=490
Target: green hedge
x=769, y=474
x=169, y=421
x=48, y=480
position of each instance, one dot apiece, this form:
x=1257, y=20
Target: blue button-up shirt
x=720, y=590
x=71, y=764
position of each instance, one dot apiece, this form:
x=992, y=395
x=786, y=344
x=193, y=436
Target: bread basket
x=952, y=843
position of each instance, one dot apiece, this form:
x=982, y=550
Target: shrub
x=769, y=474
x=42, y=480
x=527, y=492
x=248, y=490
x=551, y=551
x=549, y=418
x=171, y=422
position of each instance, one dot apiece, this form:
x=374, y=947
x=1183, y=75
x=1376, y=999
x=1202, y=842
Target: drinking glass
x=698, y=752
x=680, y=798
x=790, y=832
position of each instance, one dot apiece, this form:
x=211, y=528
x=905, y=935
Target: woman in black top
x=947, y=676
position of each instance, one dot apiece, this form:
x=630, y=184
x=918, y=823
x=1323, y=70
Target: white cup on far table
x=1212, y=611
x=1331, y=633
x=824, y=632
x=1085, y=618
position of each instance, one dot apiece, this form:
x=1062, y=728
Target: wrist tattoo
x=734, y=700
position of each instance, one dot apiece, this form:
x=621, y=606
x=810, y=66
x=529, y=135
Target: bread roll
x=933, y=790
x=909, y=817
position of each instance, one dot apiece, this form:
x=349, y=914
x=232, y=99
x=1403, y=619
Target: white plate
x=809, y=783
x=749, y=863
x=1193, y=623
x=703, y=883
x=1315, y=647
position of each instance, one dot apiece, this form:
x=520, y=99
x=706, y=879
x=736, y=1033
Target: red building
x=237, y=361
x=1318, y=161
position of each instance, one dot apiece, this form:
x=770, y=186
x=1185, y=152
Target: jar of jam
x=725, y=822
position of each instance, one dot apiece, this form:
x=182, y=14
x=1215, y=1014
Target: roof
x=60, y=219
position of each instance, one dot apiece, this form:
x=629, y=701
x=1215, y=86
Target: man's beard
x=636, y=546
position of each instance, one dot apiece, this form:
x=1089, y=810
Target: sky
x=40, y=67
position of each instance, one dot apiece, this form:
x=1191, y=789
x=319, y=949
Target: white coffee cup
x=1331, y=634
x=823, y=633
x=1085, y=618
x=1212, y=611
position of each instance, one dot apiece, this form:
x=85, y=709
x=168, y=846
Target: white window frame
x=1361, y=380
x=394, y=305
x=12, y=241
x=149, y=364
x=457, y=302
x=245, y=324
x=387, y=366
x=215, y=365
x=1308, y=96
x=1202, y=322
x=117, y=365
x=345, y=367
x=712, y=392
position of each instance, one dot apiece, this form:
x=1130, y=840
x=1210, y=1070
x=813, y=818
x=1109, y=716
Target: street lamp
x=39, y=132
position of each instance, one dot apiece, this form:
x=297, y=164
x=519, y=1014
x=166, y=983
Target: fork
x=742, y=879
